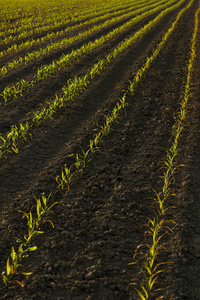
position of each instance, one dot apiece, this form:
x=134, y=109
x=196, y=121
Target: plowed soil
x=100, y=223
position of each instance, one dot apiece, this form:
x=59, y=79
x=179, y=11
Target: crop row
x=159, y=225
x=29, y=57
x=43, y=72
x=13, y=15
x=59, y=20
x=73, y=88
x=65, y=16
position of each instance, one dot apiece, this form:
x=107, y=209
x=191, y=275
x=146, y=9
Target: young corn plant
x=12, y=139
x=23, y=251
x=93, y=148
x=5, y=146
x=32, y=230
x=13, y=266
x=44, y=211
x=66, y=178
x=149, y=268
x=9, y=93
x=81, y=160
x=43, y=214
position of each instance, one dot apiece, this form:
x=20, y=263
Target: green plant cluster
x=10, y=142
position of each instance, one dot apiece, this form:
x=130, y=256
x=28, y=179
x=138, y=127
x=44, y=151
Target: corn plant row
x=12, y=92
x=21, y=13
x=73, y=88
x=29, y=57
x=37, y=30
x=158, y=226
x=32, y=22
x=50, y=20
x=33, y=16
x=56, y=24
x=34, y=42
x=76, y=169
x=35, y=21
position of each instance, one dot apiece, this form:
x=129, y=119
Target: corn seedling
x=12, y=268
x=44, y=212
x=6, y=144
x=13, y=137
x=32, y=229
x=78, y=164
x=9, y=93
x=65, y=178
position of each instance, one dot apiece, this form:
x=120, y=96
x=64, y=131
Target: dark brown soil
x=99, y=225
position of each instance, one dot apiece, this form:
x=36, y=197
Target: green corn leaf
x=24, y=214
x=26, y=273
x=5, y=279
x=145, y=291
x=8, y=268
x=32, y=248
x=51, y=223
x=152, y=283
x=39, y=232
x=39, y=207
x=140, y=294
x=20, y=283
x=30, y=223
x=19, y=241
x=13, y=254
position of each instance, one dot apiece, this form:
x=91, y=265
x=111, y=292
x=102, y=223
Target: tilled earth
x=99, y=224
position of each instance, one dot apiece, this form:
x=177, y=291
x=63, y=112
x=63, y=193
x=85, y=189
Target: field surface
x=65, y=69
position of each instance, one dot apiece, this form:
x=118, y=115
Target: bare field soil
x=100, y=224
